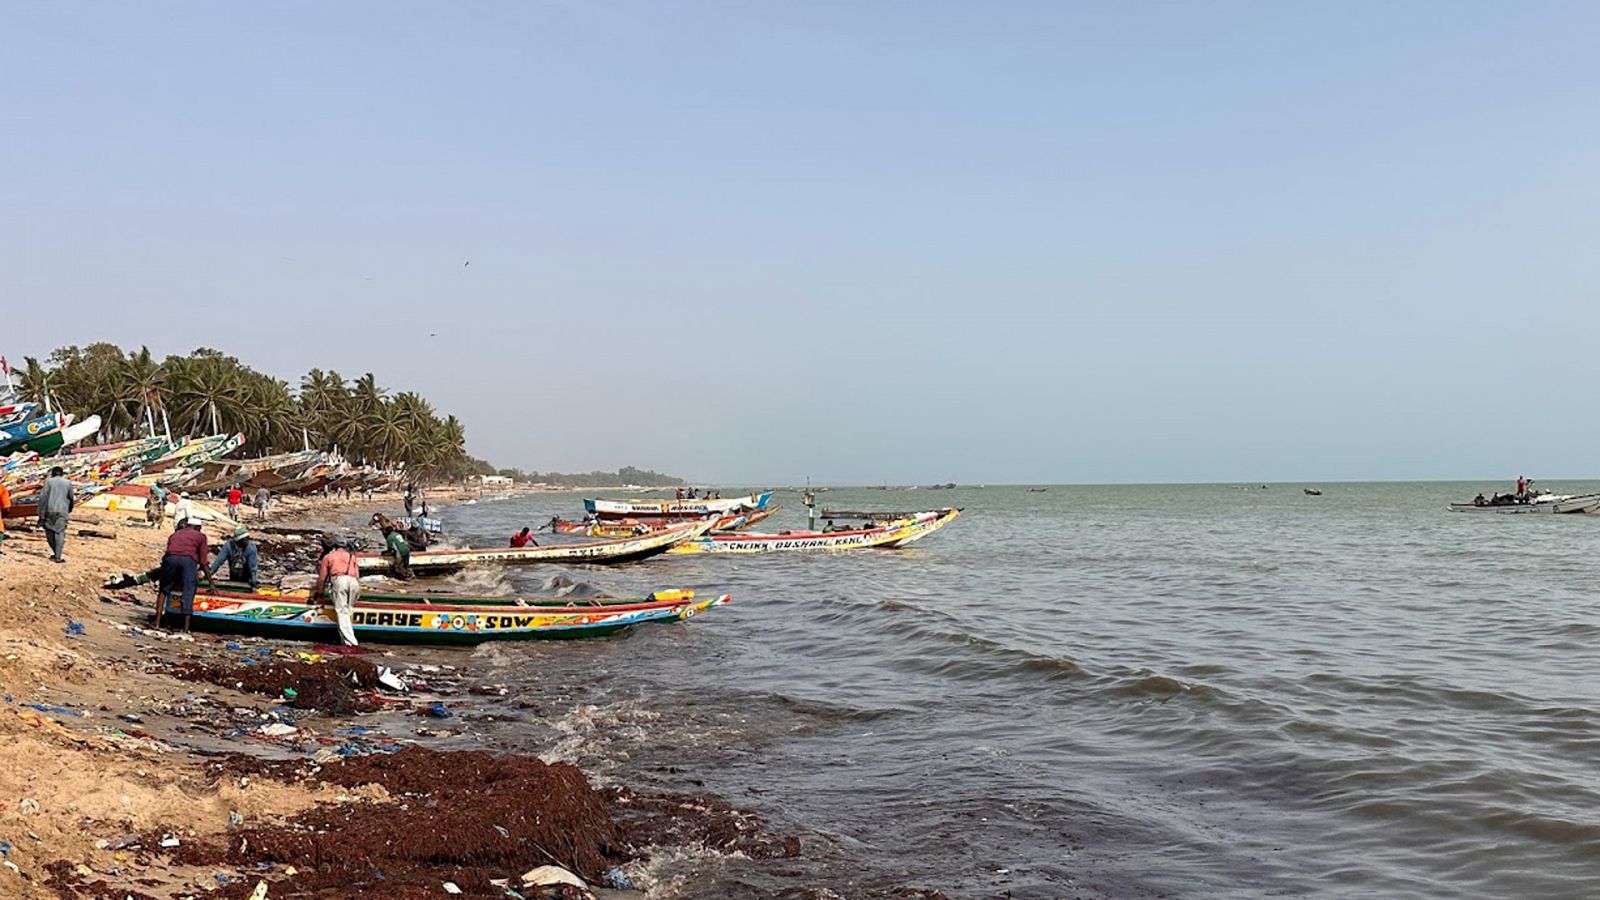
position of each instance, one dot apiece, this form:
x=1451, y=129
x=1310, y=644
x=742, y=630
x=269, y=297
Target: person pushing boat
x=340, y=575
x=186, y=552
x=242, y=557
x=396, y=545
x=523, y=538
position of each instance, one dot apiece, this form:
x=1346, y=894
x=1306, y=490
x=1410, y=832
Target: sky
x=912, y=242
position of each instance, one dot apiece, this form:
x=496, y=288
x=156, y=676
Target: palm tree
x=206, y=391
x=34, y=382
x=138, y=388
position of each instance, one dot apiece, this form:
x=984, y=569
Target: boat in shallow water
x=676, y=509
x=428, y=562
x=437, y=618
x=1561, y=504
x=897, y=533
x=628, y=527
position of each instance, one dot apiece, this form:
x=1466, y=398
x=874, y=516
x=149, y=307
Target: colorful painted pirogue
x=438, y=619
x=630, y=527
x=41, y=435
x=675, y=509
x=892, y=534
x=600, y=552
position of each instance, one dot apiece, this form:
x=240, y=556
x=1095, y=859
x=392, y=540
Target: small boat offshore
x=676, y=509
x=1559, y=504
x=631, y=527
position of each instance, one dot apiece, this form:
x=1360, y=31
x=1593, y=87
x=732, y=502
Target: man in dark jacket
x=242, y=557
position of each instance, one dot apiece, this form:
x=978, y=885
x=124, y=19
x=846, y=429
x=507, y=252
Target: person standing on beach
x=5, y=504
x=242, y=557
x=183, y=510
x=155, y=506
x=186, y=553
x=410, y=499
x=263, y=497
x=235, y=497
x=341, y=575
x=56, y=500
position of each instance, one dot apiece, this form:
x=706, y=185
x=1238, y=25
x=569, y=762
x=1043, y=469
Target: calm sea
x=1106, y=691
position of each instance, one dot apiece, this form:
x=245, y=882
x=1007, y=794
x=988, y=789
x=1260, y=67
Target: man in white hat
x=182, y=510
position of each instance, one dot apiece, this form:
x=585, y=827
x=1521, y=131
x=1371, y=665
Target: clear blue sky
x=903, y=241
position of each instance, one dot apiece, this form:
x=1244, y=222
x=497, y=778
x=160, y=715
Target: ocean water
x=1148, y=691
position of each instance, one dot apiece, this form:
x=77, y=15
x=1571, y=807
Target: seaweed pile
x=475, y=819
x=341, y=685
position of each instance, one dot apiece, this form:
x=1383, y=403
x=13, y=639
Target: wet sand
x=145, y=763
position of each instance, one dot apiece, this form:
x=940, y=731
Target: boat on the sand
x=436, y=619
x=1561, y=504
x=897, y=533
x=596, y=552
x=675, y=509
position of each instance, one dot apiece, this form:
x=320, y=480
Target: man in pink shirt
x=341, y=575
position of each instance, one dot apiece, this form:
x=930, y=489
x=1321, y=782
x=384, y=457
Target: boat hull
x=618, y=528
x=675, y=509
x=591, y=552
x=895, y=534
x=1573, y=505
x=390, y=622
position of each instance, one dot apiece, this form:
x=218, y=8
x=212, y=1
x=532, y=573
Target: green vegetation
x=208, y=392
x=624, y=475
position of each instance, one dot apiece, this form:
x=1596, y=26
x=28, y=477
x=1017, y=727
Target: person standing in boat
x=242, y=557
x=56, y=500
x=1522, y=487
x=340, y=575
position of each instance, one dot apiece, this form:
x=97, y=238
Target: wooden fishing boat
x=675, y=509
x=606, y=552
x=12, y=413
x=615, y=528
x=401, y=618
x=1559, y=504
x=25, y=434
x=892, y=534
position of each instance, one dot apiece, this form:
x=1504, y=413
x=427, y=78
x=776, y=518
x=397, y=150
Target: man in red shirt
x=187, y=553
x=234, y=497
x=523, y=538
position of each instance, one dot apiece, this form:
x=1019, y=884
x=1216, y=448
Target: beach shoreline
x=119, y=778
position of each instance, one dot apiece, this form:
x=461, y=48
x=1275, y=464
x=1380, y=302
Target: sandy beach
x=119, y=778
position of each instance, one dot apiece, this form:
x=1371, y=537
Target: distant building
x=487, y=480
